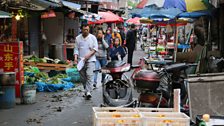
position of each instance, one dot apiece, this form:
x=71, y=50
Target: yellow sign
x=8, y=48
x=8, y=65
x=8, y=57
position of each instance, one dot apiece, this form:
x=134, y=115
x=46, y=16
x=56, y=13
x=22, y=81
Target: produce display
x=36, y=59
x=32, y=75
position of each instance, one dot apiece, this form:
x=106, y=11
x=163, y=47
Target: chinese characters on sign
x=11, y=60
x=8, y=57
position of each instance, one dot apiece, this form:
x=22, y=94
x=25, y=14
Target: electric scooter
x=117, y=87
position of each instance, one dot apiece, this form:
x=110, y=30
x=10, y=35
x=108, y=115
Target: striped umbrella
x=183, y=5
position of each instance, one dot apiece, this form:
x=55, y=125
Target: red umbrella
x=108, y=17
x=135, y=20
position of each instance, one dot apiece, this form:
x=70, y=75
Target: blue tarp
x=195, y=14
x=30, y=74
x=180, y=4
x=43, y=87
x=155, y=12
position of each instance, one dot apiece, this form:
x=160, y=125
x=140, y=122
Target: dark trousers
x=130, y=55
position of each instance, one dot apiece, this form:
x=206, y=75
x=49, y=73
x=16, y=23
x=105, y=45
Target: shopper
x=85, y=48
x=117, y=52
x=115, y=34
x=101, y=55
x=131, y=42
x=108, y=38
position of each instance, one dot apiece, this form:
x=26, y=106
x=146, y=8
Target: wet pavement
x=64, y=108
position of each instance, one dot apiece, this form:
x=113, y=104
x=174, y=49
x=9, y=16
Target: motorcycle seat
x=115, y=64
x=177, y=66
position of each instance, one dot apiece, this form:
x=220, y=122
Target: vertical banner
x=14, y=29
x=11, y=60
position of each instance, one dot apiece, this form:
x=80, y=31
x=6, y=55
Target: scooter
x=156, y=87
x=117, y=87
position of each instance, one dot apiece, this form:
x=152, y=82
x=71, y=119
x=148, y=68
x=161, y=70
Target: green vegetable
x=41, y=75
x=31, y=69
x=62, y=62
x=61, y=76
x=29, y=80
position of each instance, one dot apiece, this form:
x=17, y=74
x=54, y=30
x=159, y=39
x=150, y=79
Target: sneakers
x=88, y=95
x=94, y=86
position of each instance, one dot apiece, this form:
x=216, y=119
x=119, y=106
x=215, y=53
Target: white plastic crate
x=165, y=119
x=154, y=109
x=113, y=109
x=117, y=119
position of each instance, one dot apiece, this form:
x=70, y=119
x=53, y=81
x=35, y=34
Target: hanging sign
x=11, y=60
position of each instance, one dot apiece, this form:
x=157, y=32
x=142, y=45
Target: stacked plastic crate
x=110, y=116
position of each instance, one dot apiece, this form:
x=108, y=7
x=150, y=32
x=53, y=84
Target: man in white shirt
x=85, y=48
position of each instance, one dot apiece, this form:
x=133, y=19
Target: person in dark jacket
x=122, y=33
x=131, y=42
x=108, y=38
x=117, y=52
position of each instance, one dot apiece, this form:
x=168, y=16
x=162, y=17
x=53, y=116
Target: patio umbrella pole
x=175, y=40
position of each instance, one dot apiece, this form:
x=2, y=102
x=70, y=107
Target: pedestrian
x=85, y=48
x=122, y=33
x=101, y=55
x=115, y=34
x=108, y=38
x=131, y=42
x=117, y=52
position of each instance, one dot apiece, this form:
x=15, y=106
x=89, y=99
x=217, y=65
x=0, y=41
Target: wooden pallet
x=48, y=66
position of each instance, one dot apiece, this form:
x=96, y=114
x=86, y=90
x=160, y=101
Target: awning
x=74, y=7
x=40, y=5
x=5, y=14
x=71, y=5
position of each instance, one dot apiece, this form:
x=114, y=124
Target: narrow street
x=57, y=109
x=47, y=46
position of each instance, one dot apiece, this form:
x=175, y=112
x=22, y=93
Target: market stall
x=164, y=43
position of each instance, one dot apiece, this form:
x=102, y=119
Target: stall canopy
x=74, y=7
x=135, y=21
x=183, y=5
x=71, y=5
x=153, y=11
x=5, y=14
x=108, y=17
x=195, y=14
x=172, y=9
x=40, y=5
x=165, y=21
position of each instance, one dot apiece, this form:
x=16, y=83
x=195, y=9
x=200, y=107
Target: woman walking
x=101, y=55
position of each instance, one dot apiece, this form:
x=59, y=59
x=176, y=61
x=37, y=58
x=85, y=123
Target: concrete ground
x=64, y=108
